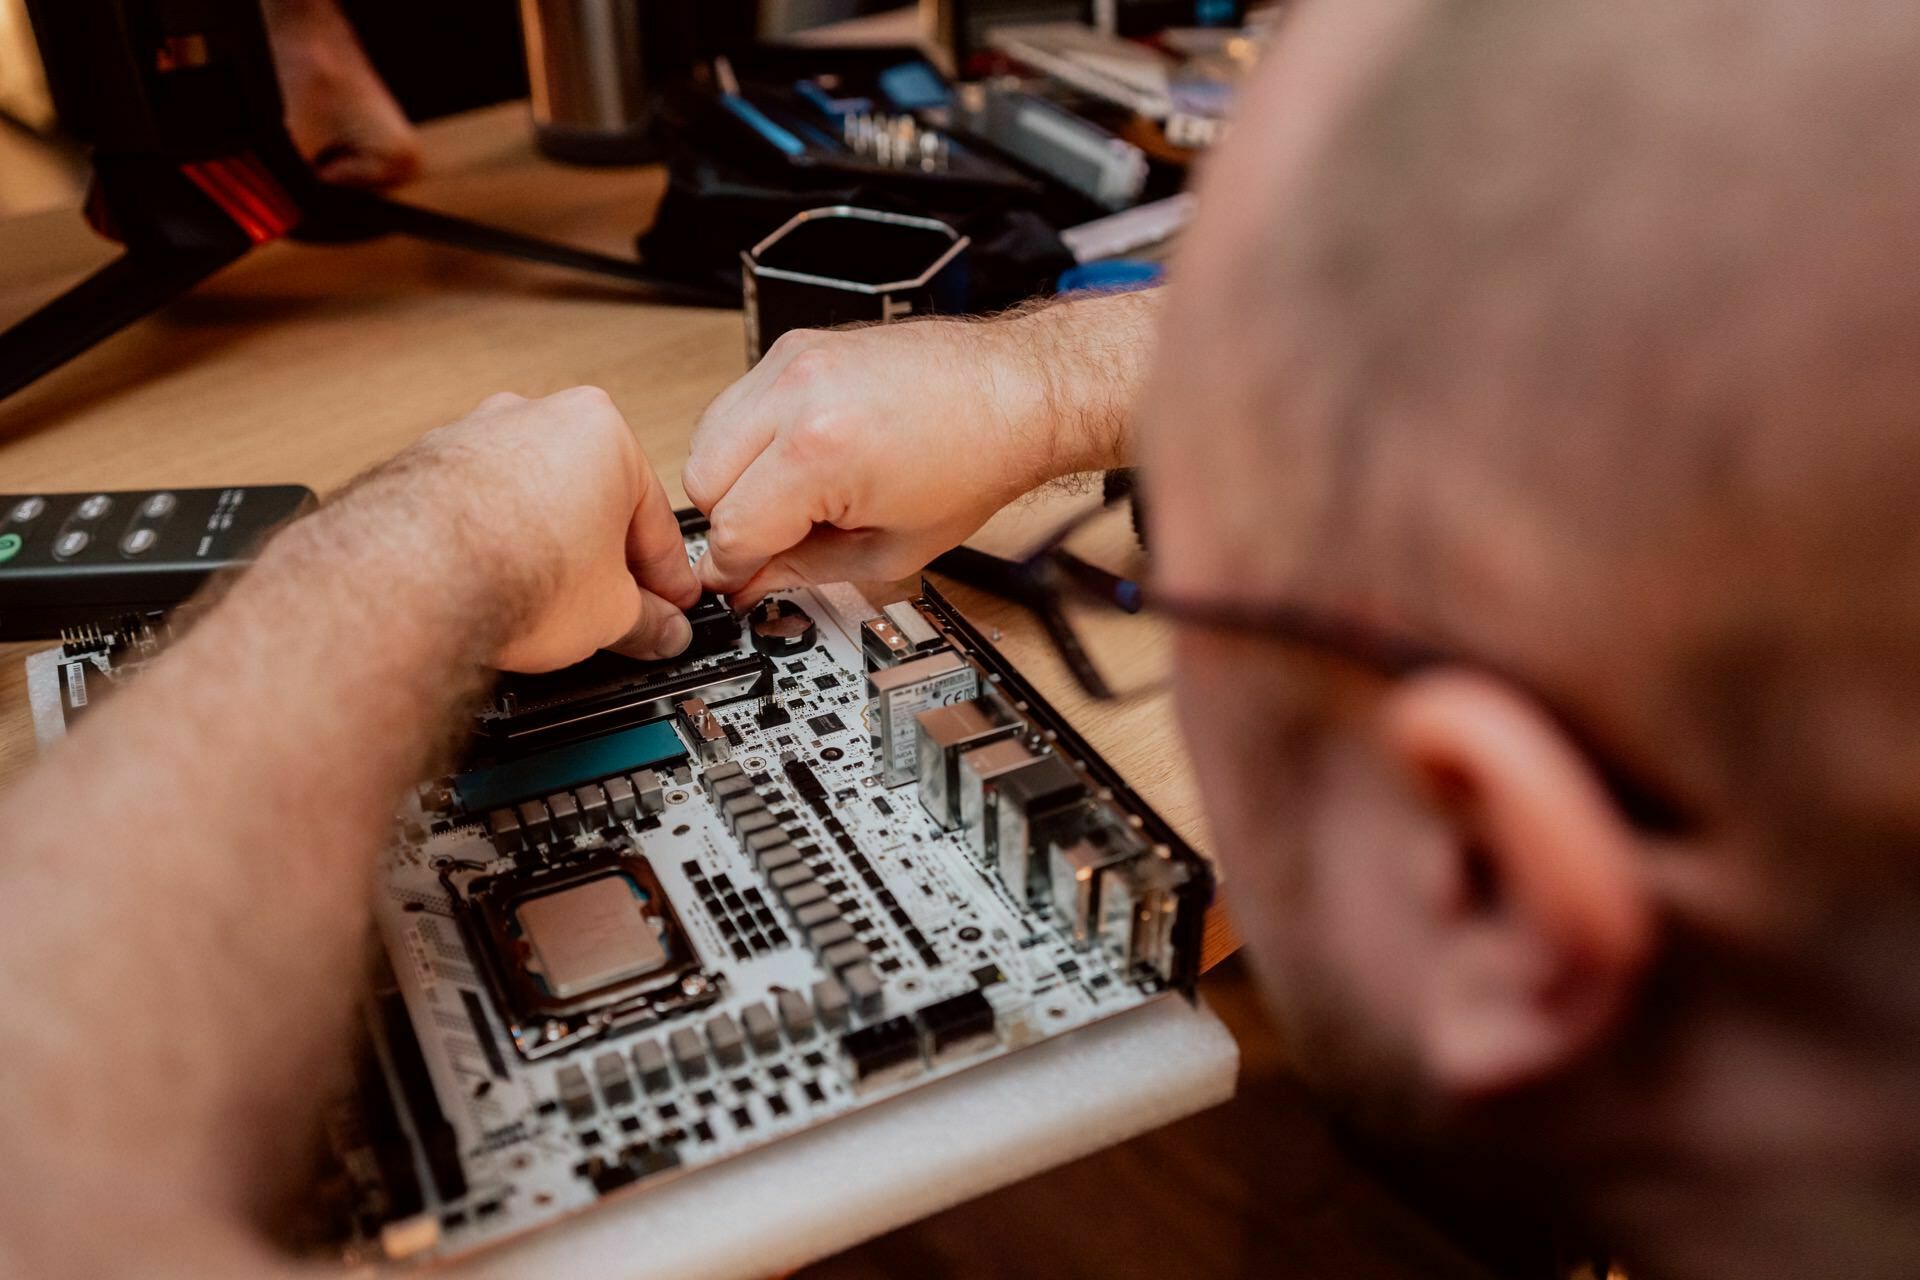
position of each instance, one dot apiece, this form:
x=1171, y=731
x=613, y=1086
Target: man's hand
x=340, y=113
x=240, y=790
x=862, y=454
x=555, y=498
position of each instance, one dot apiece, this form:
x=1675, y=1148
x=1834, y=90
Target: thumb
x=660, y=630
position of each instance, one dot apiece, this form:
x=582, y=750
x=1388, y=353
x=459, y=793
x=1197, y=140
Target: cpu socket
x=580, y=947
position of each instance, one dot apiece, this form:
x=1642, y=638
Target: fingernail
x=678, y=637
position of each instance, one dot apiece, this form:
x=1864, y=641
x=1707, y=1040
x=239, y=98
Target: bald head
x=1584, y=336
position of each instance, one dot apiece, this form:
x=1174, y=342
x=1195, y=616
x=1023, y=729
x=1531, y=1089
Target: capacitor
x=780, y=627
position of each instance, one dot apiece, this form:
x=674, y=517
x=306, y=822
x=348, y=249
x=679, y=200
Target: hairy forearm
x=184, y=882
x=1083, y=363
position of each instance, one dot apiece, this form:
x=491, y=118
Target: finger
x=497, y=401
x=738, y=426
x=375, y=170
x=748, y=386
x=767, y=511
x=656, y=553
x=730, y=435
x=777, y=574
x=660, y=631
x=825, y=555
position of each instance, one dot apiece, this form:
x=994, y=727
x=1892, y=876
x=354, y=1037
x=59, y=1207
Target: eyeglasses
x=1108, y=628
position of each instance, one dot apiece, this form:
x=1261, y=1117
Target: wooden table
x=307, y=365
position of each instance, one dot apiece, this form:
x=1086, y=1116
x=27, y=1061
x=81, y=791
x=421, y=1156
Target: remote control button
x=27, y=510
x=139, y=541
x=10, y=544
x=71, y=543
x=160, y=504
x=95, y=507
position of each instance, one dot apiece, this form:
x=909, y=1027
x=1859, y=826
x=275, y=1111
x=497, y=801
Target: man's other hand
x=862, y=454
x=341, y=114
x=562, y=509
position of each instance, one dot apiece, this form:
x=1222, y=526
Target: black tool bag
x=725, y=195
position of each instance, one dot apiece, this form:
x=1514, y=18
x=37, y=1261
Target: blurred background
x=439, y=57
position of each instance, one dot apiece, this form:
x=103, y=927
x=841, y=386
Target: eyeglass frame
x=1049, y=575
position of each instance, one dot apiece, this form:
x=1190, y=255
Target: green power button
x=9, y=546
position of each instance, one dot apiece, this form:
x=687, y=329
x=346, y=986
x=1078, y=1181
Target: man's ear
x=1544, y=928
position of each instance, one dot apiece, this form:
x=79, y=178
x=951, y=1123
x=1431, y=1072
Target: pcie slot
x=724, y=682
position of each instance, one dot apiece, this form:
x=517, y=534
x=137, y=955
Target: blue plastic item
x=914, y=86
x=757, y=120
x=1111, y=276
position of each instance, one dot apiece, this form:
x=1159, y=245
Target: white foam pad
x=817, y=1193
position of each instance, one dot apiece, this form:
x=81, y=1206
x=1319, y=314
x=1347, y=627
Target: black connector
x=807, y=783
x=955, y=1020
x=438, y=1141
x=715, y=628
x=883, y=1045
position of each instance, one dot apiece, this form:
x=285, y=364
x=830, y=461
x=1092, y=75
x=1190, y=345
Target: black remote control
x=69, y=559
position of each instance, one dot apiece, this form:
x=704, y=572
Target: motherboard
x=662, y=914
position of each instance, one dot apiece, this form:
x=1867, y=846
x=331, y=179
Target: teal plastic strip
x=757, y=120
x=563, y=768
